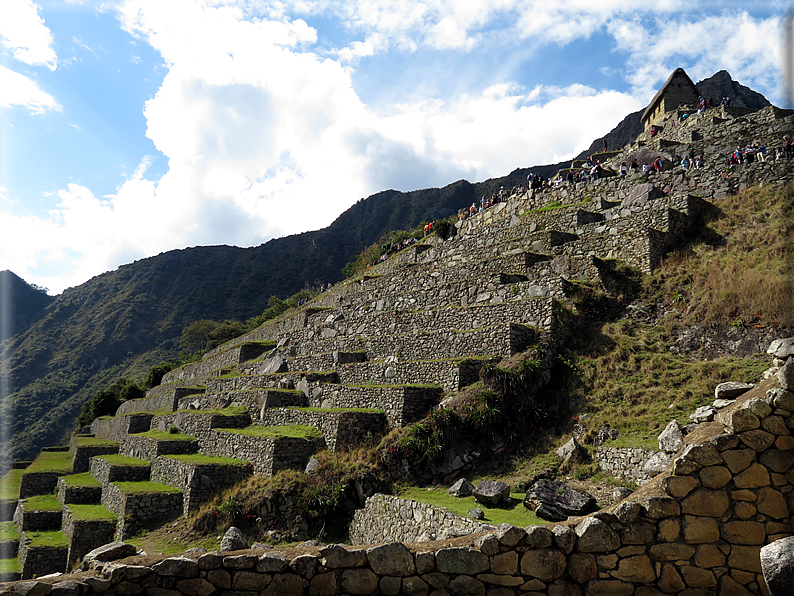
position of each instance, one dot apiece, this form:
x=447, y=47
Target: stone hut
x=679, y=89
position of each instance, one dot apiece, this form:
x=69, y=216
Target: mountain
x=22, y=304
x=64, y=349
x=715, y=87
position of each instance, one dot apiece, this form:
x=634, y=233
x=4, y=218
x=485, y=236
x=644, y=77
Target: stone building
x=677, y=90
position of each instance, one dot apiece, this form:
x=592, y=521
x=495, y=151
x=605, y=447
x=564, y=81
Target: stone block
x=391, y=559
x=706, y=503
x=758, y=439
x=700, y=530
x=714, y=476
x=543, y=564
x=738, y=459
x=460, y=559
x=753, y=477
x=743, y=532
x=595, y=536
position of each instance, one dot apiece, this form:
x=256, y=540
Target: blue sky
x=133, y=127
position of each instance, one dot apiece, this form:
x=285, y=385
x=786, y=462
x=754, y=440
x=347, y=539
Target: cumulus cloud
x=18, y=90
x=265, y=134
x=25, y=34
x=749, y=48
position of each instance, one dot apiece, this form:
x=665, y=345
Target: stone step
x=39, y=514
x=225, y=356
x=9, y=540
x=120, y=468
x=10, y=571
x=41, y=477
x=200, y=477
x=87, y=527
x=402, y=404
x=79, y=488
x=152, y=443
x=501, y=339
x=42, y=553
x=269, y=449
x=161, y=397
x=135, y=503
x=342, y=429
x=198, y=425
x=117, y=427
x=84, y=447
x=251, y=398
x=10, y=485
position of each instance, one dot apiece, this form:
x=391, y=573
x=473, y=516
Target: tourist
x=624, y=170
x=658, y=164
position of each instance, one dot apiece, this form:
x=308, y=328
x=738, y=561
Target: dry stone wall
x=342, y=430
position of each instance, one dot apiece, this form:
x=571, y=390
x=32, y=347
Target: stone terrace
x=380, y=349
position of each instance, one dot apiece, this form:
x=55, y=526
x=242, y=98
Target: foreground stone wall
x=407, y=521
x=627, y=463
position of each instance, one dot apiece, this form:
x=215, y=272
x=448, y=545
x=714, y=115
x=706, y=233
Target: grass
x=159, y=435
x=515, y=513
x=84, y=479
x=124, y=460
x=292, y=430
x=10, y=566
x=195, y=458
x=628, y=378
x=739, y=270
x=139, y=488
x=90, y=512
x=52, y=539
x=9, y=485
x=159, y=542
x=51, y=461
x=43, y=503
x=8, y=532
x=94, y=442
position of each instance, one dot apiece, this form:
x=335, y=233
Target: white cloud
x=24, y=32
x=747, y=47
x=18, y=90
x=265, y=134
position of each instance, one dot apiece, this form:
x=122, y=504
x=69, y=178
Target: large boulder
x=233, y=539
x=461, y=488
x=672, y=438
x=556, y=501
x=572, y=452
x=731, y=389
x=777, y=564
x=110, y=552
x=491, y=492
x=642, y=193
x=781, y=348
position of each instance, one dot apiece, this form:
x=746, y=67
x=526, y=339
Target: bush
x=107, y=401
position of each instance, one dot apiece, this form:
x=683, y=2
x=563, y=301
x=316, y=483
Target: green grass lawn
x=197, y=458
x=51, y=461
x=53, y=539
x=160, y=435
x=43, y=503
x=515, y=513
x=293, y=430
x=8, y=531
x=84, y=479
x=9, y=485
x=146, y=487
x=90, y=512
x=84, y=441
x=124, y=460
x=10, y=566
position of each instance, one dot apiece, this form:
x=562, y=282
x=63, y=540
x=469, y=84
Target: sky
x=132, y=127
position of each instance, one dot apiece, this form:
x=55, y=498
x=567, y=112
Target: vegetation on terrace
x=618, y=370
x=77, y=480
x=43, y=503
x=10, y=484
x=51, y=461
x=276, y=432
x=90, y=512
x=124, y=460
